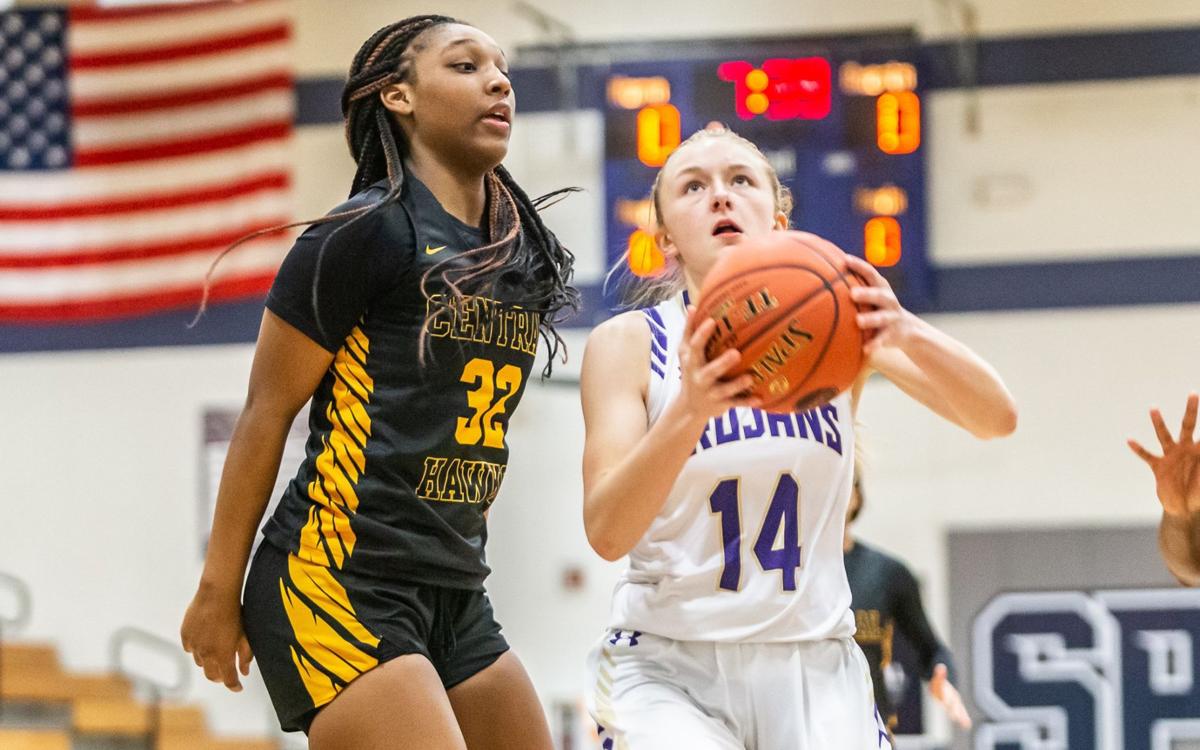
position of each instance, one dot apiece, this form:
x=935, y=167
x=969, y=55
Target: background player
x=410, y=316
x=1177, y=481
x=709, y=648
x=886, y=597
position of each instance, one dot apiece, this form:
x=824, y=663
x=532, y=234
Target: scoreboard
x=839, y=119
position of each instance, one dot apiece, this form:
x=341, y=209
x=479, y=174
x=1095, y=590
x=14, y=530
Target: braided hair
x=379, y=146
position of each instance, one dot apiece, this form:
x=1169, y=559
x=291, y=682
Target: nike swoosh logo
x=434, y=250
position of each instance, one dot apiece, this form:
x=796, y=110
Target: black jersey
x=884, y=597
x=402, y=459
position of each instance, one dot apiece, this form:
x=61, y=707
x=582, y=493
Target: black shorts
x=315, y=629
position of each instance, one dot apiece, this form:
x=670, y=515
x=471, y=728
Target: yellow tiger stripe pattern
x=317, y=583
x=323, y=645
x=332, y=647
x=327, y=538
x=320, y=687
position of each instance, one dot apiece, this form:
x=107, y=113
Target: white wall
x=101, y=457
x=1065, y=171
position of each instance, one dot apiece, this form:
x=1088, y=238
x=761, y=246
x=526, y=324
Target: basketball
x=784, y=301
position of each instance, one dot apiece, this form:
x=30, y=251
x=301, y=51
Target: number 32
x=482, y=400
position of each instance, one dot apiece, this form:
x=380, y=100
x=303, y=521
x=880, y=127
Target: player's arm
x=1179, y=542
x=913, y=623
x=936, y=663
x=286, y=370
x=927, y=364
x=628, y=469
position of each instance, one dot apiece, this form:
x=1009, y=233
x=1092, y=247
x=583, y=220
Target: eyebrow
x=735, y=167
x=466, y=40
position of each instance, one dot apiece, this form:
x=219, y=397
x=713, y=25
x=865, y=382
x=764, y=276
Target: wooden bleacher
x=34, y=739
x=98, y=706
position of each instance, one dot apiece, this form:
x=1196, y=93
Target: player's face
x=714, y=192
x=458, y=101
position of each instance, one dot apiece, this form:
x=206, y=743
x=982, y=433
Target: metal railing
x=126, y=642
x=12, y=622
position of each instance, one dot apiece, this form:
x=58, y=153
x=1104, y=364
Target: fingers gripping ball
x=784, y=301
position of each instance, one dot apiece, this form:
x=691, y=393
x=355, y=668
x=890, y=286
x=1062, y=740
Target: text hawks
x=459, y=480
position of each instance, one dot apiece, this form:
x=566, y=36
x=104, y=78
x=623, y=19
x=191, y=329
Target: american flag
x=135, y=144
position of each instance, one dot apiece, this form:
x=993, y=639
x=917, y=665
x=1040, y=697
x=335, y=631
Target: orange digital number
x=881, y=241
x=898, y=122
x=658, y=132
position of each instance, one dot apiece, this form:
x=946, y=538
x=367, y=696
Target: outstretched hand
x=1177, y=470
x=946, y=694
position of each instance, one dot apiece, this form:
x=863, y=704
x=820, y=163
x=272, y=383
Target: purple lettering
x=814, y=424
x=758, y=428
x=733, y=433
x=833, y=438
x=775, y=420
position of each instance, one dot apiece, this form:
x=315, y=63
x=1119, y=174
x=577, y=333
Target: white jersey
x=748, y=546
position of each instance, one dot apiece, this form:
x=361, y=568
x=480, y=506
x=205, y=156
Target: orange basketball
x=783, y=300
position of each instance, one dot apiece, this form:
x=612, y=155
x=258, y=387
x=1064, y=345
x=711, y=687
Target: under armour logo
x=633, y=636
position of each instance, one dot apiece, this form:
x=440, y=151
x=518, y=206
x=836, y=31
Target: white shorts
x=654, y=693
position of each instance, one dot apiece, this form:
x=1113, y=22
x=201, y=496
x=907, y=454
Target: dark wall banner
x=1104, y=670
x=217, y=426
x=1074, y=639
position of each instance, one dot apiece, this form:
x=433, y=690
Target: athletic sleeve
x=914, y=625
x=362, y=258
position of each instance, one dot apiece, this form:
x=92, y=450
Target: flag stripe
x=29, y=286
x=191, y=122
x=156, y=31
x=186, y=98
x=126, y=181
x=95, y=14
x=137, y=304
x=184, y=223
x=205, y=243
x=165, y=149
x=176, y=52
x=91, y=85
x=222, y=191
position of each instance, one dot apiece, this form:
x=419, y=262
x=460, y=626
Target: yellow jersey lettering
x=455, y=480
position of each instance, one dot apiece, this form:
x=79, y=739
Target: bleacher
x=44, y=706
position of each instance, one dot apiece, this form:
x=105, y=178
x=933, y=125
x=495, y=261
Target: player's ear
x=664, y=242
x=398, y=98
x=781, y=220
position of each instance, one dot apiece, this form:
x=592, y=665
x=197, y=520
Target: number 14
x=784, y=511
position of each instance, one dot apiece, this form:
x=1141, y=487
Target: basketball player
x=732, y=626
x=1177, y=480
x=885, y=597
x=410, y=317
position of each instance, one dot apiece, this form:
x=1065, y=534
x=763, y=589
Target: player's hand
x=888, y=323
x=946, y=694
x=212, y=634
x=704, y=385
x=1177, y=470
